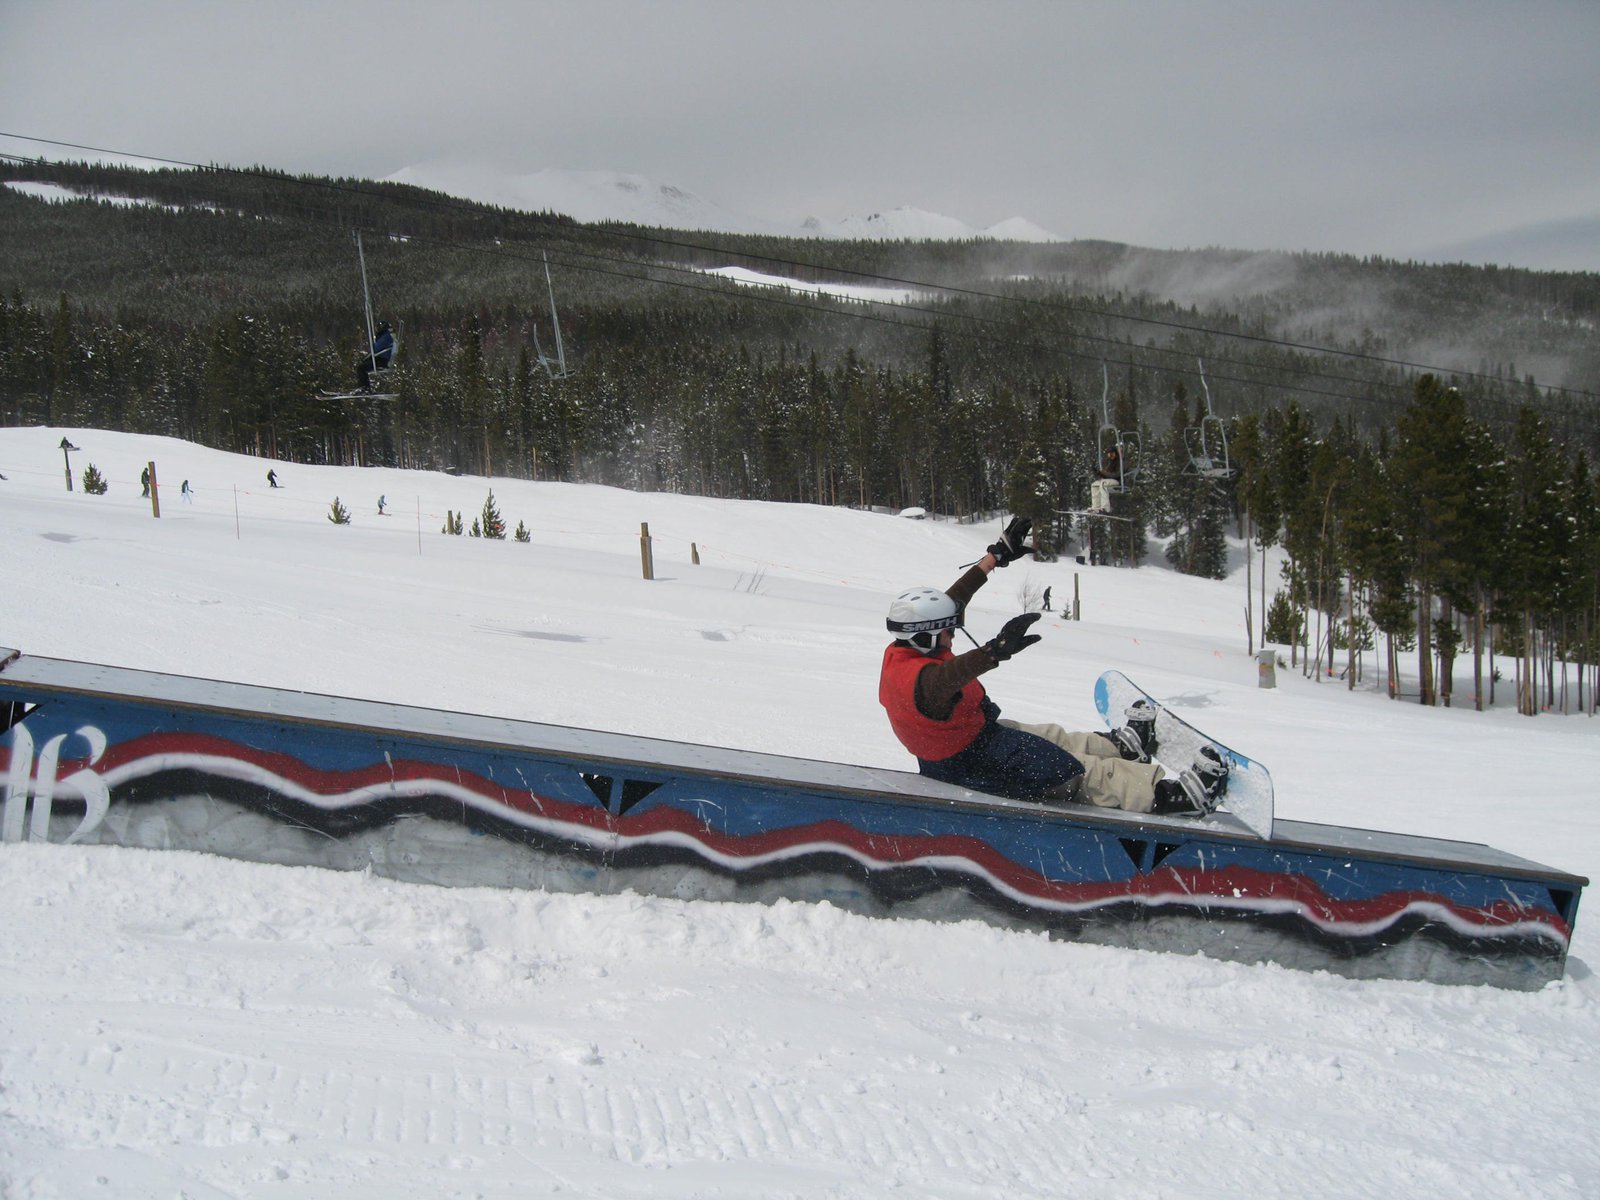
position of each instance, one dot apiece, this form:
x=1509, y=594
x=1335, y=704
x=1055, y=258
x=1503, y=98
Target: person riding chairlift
x=376, y=358
x=1108, y=479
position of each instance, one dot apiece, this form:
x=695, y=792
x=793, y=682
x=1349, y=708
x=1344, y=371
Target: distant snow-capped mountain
x=581, y=195
x=611, y=196
x=918, y=225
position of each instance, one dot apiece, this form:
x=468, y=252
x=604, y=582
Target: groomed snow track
x=105, y=755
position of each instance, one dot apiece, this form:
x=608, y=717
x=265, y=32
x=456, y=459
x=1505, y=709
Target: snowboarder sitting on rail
x=941, y=713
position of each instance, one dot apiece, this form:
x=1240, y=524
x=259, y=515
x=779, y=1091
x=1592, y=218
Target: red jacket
x=922, y=735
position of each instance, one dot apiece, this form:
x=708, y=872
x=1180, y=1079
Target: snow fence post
x=647, y=558
x=155, y=492
x=66, y=457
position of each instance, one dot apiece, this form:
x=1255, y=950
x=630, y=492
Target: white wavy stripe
x=232, y=768
x=248, y=772
x=967, y=866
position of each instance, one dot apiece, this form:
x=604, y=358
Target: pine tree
x=1373, y=553
x=1285, y=625
x=493, y=525
x=1541, y=542
x=93, y=482
x=1028, y=495
x=1433, y=469
x=522, y=534
x=338, y=513
x=1291, y=461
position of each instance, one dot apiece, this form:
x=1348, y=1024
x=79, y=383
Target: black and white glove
x=1014, y=637
x=1013, y=542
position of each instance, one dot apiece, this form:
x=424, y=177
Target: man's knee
x=1070, y=792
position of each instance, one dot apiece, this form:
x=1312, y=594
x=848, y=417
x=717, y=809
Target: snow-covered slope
x=172, y=1024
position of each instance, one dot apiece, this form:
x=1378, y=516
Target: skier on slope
x=942, y=714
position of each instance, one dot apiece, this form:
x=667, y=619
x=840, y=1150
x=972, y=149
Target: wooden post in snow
x=647, y=558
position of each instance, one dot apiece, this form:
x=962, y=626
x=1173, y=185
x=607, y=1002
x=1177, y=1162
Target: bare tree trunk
x=1263, y=593
x=1477, y=648
x=1447, y=618
x=1550, y=672
x=1350, y=635
x=1425, y=649
x=1494, y=637
x=1249, y=625
x=1527, y=684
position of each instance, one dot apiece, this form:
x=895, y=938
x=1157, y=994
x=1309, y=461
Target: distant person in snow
x=144, y=482
x=272, y=478
x=188, y=493
x=943, y=715
x=382, y=500
x=377, y=357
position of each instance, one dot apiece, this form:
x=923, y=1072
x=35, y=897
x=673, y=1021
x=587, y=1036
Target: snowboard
x=1249, y=794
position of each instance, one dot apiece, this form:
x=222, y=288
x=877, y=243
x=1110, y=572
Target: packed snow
x=867, y=293
x=52, y=193
x=173, y=1024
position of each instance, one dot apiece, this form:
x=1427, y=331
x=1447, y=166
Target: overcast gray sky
x=1394, y=127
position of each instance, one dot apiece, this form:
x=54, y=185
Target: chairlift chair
x=1124, y=441
x=1207, y=443
x=377, y=371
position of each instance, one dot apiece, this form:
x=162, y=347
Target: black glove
x=1013, y=542
x=1014, y=637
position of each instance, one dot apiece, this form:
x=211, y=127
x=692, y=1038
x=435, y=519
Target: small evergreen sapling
x=522, y=534
x=1284, y=625
x=338, y=513
x=93, y=482
x=494, y=525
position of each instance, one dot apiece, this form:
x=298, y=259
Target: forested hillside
x=1419, y=437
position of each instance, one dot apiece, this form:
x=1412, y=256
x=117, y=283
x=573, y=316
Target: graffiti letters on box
x=85, y=783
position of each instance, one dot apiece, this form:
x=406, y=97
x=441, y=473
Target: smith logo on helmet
x=924, y=626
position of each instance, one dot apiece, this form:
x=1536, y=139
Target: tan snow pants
x=1108, y=779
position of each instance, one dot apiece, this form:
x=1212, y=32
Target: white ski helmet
x=918, y=616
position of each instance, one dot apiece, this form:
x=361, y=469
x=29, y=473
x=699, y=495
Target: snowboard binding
x=1205, y=782
x=1137, y=739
